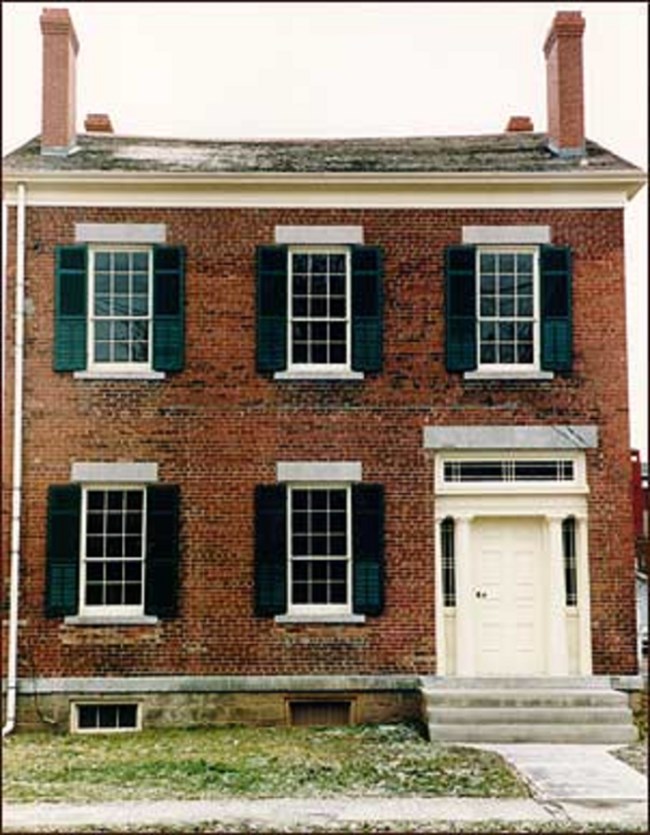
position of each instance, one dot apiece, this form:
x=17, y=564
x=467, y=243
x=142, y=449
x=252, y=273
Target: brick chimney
x=564, y=85
x=60, y=48
x=98, y=123
x=519, y=124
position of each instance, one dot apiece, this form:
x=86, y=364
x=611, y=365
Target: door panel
x=507, y=596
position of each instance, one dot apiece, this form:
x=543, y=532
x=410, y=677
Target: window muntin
x=120, y=308
x=320, y=549
x=570, y=566
x=509, y=470
x=448, y=562
x=507, y=308
x=113, y=543
x=319, y=308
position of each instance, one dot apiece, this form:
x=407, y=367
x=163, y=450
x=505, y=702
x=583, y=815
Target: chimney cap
x=98, y=123
x=59, y=22
x=519, y=124
x=571, y=24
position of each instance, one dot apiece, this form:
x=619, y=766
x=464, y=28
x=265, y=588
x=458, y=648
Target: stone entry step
x=530, y=710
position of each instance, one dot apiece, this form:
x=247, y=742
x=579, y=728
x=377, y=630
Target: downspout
x=16, y=494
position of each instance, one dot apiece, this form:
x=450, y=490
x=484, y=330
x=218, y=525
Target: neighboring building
x=641, y=505
x=305, y=421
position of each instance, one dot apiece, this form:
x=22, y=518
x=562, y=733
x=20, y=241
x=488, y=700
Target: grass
x=388, y=760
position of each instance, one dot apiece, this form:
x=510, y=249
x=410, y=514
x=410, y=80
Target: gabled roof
x=505, y=152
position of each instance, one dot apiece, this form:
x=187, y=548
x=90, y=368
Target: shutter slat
x=271, y=266
x=70, y=308
x=460, y=308
x=163, y=550
x=368, y=544
x=556, y=312
x=270, y=550
x=62, y=550
x=367, y=308
x=168, y=349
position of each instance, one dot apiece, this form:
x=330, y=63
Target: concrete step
x=538, y=715
x=509, y=697
x=517, y=683
x=530, y=732
x=533, y=715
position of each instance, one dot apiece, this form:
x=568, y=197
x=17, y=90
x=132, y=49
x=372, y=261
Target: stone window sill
x=320, y=619
x=119, y=375
x=318, y=375
x=97, y=620
x=508, y=375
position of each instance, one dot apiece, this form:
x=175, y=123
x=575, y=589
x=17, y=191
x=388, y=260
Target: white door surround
x=508, y=545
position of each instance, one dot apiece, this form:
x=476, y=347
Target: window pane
x=140, y=261
x=524, y=353
x=525, y=306
x=300, y=263
x=506, y=263
x=121, y=261
x=506, y=331
x=524, y=262
x=488, y=284
x=488, y=306
x=506, y=306
x=488, y=262
x=488, y=353
x=507, y=353
x=102, y=261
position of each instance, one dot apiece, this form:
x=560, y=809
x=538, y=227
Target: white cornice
x=582, y=189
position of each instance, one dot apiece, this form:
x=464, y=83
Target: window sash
x=295, y=559
x=308, y=320
x=105, y=608
x=448, y=562
x=95, y=319
x=521, y=470
x=498, y=319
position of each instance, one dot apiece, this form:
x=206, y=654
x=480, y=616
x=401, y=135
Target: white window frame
x=323, y=367
x=503, y=368
x=106, y=610
x=321, y=608
x=578, y=484
x=74, y=716
x=93, y=365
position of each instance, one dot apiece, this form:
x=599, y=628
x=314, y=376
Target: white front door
x=507, y=596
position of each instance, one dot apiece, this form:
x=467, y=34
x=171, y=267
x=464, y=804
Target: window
x=507, y=314
x=448, y=562
x=319, y=542
x=508, y=470
x=113, y=550
x=508, y=310
x=319, y=550
x=121, y=308
x=570, y=569
x=105, y=718
x=319, y=311
x=319, y=308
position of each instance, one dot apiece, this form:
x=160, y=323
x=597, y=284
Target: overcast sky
x=227, y=70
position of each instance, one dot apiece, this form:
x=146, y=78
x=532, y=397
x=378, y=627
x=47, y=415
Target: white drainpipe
x=16, y=495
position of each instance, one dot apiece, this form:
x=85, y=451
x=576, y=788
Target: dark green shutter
x=272, y=279
x=70, y=308
x=168, y=308
x=270, y=549
x=368, y=548
x=367, y=308
x=163, y=551
x=63, y=553
x=555, y=303
x=460, y=308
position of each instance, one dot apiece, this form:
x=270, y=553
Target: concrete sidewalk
x=580, y=783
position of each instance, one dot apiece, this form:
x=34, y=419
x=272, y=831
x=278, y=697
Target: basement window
x=320, y=713
x=105, y=718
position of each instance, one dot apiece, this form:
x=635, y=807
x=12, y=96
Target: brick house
x=307, y=423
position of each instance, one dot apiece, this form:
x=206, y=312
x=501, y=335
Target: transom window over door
x=319, y=306
x=507, y=302
x=120, y=289
x=319, y=539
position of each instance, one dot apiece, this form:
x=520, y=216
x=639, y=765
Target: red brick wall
x=218, y=428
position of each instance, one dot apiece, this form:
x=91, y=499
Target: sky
x=334, y=69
